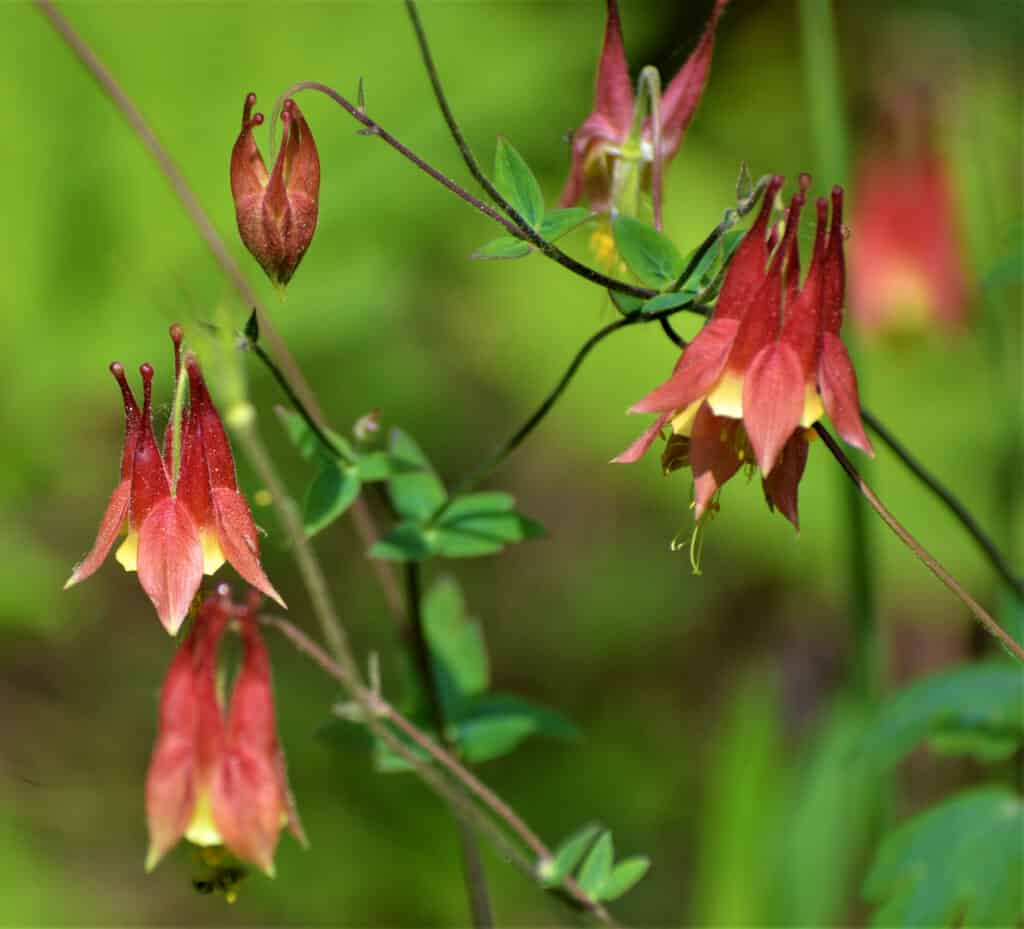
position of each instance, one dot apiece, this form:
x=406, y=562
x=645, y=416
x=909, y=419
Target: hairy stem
x=963, y=515
x=473, y=785
x=929, y=561
x=472, y=862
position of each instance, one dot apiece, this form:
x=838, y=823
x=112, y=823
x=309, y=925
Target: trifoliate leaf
x=492, y=725
x=503, y=247
x=456, y=644
x=515, y=180
x=332, y=492
x=558, y=223
x=568, y=855
x=650, y=255
x=415, y=494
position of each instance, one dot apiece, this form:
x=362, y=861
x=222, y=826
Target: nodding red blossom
x=217, y=775
x=612, y=156
x=906, y=264
x=276, y=212
x=179, y=525
x=765, y=367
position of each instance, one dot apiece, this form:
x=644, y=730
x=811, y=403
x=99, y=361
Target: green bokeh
x=674, y=679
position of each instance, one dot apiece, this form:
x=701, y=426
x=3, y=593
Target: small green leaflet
x=493, y=725
x=650, y=255
x=959, y=864
x=475, y=524
x=332, y=492
x=456, y=643
x=553, y=227
x=666, y=302
x=515, y=181
x=974, y=709
x=415, y=494
x=597, y=875
x=306, y=440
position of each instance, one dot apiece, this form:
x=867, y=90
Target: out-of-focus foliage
x=716, y=739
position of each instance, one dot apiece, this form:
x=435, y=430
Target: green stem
x=472, y=862
x=825, y=103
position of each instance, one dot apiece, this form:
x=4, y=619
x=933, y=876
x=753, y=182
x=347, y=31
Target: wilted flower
x=765, y=367
x=217, y=776
x=179, y=526
x=614, y=150
x=906, y=264
x=276, y=212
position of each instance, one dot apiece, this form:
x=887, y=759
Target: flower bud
x=276, y=212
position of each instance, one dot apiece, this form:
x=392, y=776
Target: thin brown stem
x=524, y=229
x=929, y=561
x=487, y=797
x=289, y=370
x=949, y=499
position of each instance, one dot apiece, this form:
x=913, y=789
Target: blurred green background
x=716, y=738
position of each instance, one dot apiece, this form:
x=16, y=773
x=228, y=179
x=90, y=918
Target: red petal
x=170, y=561
x=684, y=90
x=837, y=381
x=639, y=448
x=150, y=485
x=595, y=131
x=216, y=447
x=701, y=365
x=713, y=455
x=170, y=783
x=248, y=171
x=110, y=525
x=773, y=402
x=613, y=95
x=236, y=533
x=781, y=486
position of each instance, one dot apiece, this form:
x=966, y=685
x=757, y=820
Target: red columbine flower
x=179, y=526
x=217, y=775
x=276, y=212
x=612, y=156
x=906, y=265
x=765, y=367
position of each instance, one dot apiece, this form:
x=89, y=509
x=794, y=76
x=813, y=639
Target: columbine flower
x=179, y=526
x=614, y=150
x=217, y=776
x=766, y=366
x=276, y=212
x=906, y=265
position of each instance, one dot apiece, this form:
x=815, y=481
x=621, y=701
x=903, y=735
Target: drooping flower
x=276, y=212
x=766, y=366
x=217, y=776
x=906, y=263
x=613, y=151
x=179, y=525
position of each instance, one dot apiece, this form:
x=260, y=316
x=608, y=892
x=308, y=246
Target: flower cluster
x=217, y=775
x=181, y=521
x=613, y=151
x=276, y=212
x=766, y=366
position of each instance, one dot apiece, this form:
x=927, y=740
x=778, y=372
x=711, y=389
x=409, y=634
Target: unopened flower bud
x=276, y=212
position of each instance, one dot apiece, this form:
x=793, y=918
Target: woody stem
x=961, y=512
x=929, y=561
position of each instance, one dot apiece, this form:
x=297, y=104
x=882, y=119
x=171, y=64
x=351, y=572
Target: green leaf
x=666, y=302
x=597, y=867
x=625, y=876
x=494, y=724
x=984, y=698
x=380, y=465
x=959, y=864
x=559, y=222
x=568, y=855
x=405, y=542
x=627, y=305
x=482, y=524
x=456, y=644
x=503, y=247
x=649, y=255
x=305, y=439
x=416, y=494
x=332, y=492
x=515, y=181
